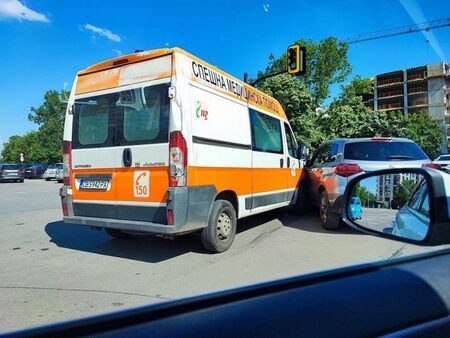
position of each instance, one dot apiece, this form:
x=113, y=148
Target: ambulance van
x=162, y=142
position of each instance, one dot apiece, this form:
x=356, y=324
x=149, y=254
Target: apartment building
x=420, y=89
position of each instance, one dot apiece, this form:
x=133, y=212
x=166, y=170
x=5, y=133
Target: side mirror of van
x=408, y=205
x=302, y=151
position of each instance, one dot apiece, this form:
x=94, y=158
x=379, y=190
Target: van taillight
x=346, y=170
x=177, y=159
x=67, y=162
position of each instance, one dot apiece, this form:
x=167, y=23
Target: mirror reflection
x=396, y=203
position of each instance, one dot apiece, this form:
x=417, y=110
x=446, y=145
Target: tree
x=402, y=193
x=29, y=145
x=422, y=129
x=357, y=86
x=326, y=64
x=45, y=144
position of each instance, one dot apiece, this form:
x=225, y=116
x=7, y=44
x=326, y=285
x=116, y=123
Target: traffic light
x=296, y=59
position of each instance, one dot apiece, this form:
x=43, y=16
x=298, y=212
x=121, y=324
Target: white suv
x=336, y=162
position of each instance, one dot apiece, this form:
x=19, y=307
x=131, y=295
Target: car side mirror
x=408, y=205
x=302, y=152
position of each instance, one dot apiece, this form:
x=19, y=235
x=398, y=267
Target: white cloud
x=14, y=9
x=266, y=7
x=167, y=44
x=106, y=33
x=118, y=52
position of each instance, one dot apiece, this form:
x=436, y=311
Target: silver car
x=50, y=173
x=336, y=162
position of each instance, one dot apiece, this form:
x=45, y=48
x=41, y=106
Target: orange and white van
x=162, y=142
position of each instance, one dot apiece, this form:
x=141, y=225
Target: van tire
x=117, y=233
x=330, y=220
x=221, y=229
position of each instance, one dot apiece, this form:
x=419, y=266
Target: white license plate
x=94, y=184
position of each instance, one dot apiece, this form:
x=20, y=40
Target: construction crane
x=424, y=26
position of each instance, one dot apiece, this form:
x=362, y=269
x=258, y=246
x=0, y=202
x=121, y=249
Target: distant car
x=50, y=173
x=59, y=176
x=11, y=172
x=336, y=162
x=35, y=171
x=444, y=162
x=413, y=219
x=355, y=208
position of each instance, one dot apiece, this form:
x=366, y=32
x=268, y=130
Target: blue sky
x=44, y=43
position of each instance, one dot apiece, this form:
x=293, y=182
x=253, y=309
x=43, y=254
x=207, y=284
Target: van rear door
x=142, y=153
x=120, y=154
x=93, y=156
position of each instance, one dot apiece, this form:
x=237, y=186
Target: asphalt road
x=53, y=272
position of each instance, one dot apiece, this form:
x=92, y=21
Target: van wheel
x=117, y=233
x=328, y=218
x=219, y=234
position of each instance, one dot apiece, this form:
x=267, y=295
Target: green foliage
x=358, y=86
x=364, y=195
x=425, y=131
x=326, y=64
x=45, y=144
x=402, y=193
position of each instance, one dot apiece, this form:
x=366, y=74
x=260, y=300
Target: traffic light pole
x=262, y=78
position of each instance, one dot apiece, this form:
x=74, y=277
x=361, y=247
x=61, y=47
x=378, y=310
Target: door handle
x=281, y=163
x=288, y=162
x=127, y=158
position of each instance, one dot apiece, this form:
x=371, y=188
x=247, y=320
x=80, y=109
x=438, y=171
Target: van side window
x=266, y=133
x=291, y=142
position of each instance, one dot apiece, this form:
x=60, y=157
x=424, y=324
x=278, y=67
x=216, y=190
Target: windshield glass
x=383, y=151
x=444, y=158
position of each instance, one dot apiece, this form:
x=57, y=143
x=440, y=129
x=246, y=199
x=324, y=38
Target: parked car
x=336, y=162
x=444, y=162
x=355, y=208
x=50, y=173
x=11, y=172
x=35, y=171
x=59, y=176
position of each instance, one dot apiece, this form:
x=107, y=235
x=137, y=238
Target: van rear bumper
x=137, y=226
x=191, y=207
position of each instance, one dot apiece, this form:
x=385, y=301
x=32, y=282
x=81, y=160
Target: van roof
x=151, y=54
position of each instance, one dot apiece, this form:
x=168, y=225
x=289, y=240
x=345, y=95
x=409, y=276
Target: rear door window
x=143, y=116
x=383, y=151
x=135, y=116
x=93, y=119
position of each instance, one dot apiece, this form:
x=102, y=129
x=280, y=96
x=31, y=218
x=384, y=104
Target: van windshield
x=135, y=116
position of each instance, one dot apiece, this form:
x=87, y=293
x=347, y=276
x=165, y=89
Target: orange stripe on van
x=123, y=188
x=243, y=181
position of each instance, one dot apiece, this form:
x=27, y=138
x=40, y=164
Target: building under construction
x=420, y=89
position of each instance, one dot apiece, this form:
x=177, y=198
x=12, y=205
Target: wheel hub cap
x=224, y=226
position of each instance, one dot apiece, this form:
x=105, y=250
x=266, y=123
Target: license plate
x=94, y=184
